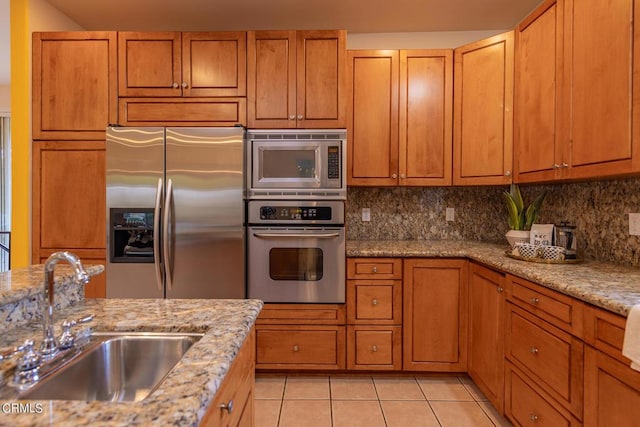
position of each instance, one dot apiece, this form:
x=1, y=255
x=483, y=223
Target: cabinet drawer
x=560, y=310
x=374, y=268
x=605, y=331
x=526, y=405
x=547, y=354
x=182, y=112
x=296, y=314
x=374, y=347
x=374, y=301
x=300, y=347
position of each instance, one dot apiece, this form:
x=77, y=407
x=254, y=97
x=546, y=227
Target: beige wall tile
x=444, y=388
x=354, y=388
x=357, y=413
x=398, y=388
x=460, y=414
x=307, y=388
x=270, y=387
x=307, y=413
x=267, y=412
x=408, y=413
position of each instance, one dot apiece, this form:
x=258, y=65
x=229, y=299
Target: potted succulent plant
x=520, y=218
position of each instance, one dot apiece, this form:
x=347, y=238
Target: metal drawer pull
x=227, y=406
x=375, y=269
x=533, y=418
x=533, y=350
x=534, y=301
x=296, y=236
x=374, y=302
x=500, y=289
x=296, y=348
x=374, y=348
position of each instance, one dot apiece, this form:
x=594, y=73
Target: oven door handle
x=296, y=236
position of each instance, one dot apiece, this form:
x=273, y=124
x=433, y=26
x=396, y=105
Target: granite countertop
x=183, y=397
x=609, y=286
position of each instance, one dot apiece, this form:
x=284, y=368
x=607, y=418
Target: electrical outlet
x=366, y=214
x=450, y=214
x=634, y=224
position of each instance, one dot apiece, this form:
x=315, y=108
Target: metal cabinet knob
x=374, y=302
x=500, y=289
x=292, y=117
x=296, y=348
x=374, y=348
x=556, y=166
x=507, y=173
x=300, y=117
x=403, y=176
x=185, y=85
x=565, y=165
x=175, y=85
x=533, y=350
x=533, y=417
x=227, y=406
x=394, y=176
x=375, y=269
x=534, y=301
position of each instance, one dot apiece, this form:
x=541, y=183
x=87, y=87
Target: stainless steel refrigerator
x=175, y=212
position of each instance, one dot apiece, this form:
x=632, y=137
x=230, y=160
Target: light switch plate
x=450, y=214
x=634, y=224
x=366, y=214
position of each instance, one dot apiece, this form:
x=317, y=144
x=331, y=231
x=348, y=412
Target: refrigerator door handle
x=156, y=238
x=165, y=235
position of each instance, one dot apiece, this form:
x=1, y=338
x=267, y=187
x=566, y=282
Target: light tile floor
x=372, y=401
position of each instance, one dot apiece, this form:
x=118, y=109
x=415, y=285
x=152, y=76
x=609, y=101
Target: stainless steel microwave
x=299, y=164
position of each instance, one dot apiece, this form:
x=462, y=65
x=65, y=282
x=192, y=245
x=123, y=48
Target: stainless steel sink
x=117, y=367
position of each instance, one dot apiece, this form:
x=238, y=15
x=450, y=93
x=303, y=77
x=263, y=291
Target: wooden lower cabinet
x=301, y=336
x=526, y=404
x=435, y=302
x=236, y=392
x=486, y=332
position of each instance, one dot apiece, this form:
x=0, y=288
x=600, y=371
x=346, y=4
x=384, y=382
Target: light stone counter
x=183, y=397
x=612, y=287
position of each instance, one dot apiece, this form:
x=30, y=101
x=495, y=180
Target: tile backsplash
x=599, y=209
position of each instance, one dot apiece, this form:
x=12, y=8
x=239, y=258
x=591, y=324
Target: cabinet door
x=483, y=119
x=602, y=85
x=426, y=115
x=74, y=85
x=537, y=130
x=149, y=64
x=373, y=118
x=214, y=63
x=611, y=391
x=321, y=83
x=435, y=315
x=271, y=66
x=486, y=333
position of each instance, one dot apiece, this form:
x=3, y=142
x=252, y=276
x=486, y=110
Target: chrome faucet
x=49, y=346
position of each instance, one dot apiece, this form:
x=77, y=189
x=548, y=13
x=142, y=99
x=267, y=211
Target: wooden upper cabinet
x=74, y=85
x=602, y=87
x=372, y=128
x=163, y=64
x=483, y=122
x=537, y=131
x=297, y=79
x=400, y=117
x=426, y=116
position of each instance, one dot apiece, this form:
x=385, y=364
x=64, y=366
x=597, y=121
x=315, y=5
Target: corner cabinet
x=577, y=103
x=483, y=112
x=400, y=117
x=435, y=301
x=296, y=79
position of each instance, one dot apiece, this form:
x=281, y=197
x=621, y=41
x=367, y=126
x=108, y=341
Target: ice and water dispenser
x=131, y=235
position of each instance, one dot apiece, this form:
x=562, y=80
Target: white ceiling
x=358, y=16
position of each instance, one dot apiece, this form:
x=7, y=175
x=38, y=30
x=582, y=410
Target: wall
x=5, y=100
x=599, y=210
x=416, y=40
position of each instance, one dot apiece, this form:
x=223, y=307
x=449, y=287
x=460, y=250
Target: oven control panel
x=295, y=213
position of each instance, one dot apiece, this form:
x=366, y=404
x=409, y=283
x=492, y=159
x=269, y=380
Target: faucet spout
x=49, y=344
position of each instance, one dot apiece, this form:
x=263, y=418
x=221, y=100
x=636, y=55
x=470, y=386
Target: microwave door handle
x=165, y=235
x=157, y=235
x=296, y=236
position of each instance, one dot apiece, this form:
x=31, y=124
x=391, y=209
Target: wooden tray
x=542, y=260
